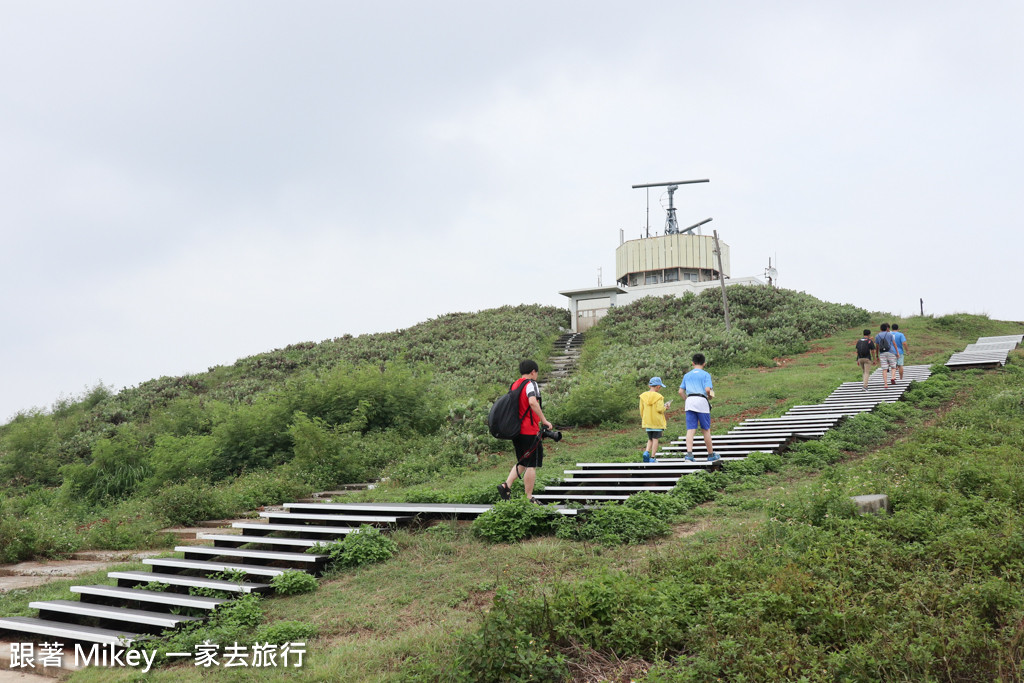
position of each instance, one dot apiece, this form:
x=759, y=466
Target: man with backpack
x=529, y=450
x=866, y=355
x=886, y=354
x=901, y=356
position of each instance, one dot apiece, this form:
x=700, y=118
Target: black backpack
x=885, y=342
x=504, y=420
x=864, y=347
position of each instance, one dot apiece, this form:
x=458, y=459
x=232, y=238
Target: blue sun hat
x=655, y=382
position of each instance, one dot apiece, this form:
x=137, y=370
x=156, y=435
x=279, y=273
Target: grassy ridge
x=110, y=470
x=752, y=585
x=423, y=613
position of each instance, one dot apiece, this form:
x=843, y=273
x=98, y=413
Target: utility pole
x=922, y=308
x=721, y=279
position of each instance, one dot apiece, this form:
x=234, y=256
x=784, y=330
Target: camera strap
x=526, y=456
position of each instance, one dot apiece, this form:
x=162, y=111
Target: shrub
x=657, y=505
x=697, y=488
x=232, y=622
x=510, y=521
x=501, y=649
x=323, y=454
x=251, y=436
x=38, y=531
x=179, y=458
x=189, y=503
x=118, y=466
x=267, y=487
x=613, y=524
x=28, y=450
x=821, y=504
x=367, y=546
x=294, y=582
x=596, y=400
x=364, y=398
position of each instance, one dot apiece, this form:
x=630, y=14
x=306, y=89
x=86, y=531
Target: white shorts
x=888, y=360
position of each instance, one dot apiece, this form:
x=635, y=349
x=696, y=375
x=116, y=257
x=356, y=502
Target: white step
x=137, y=616
x=192, y=581
x=593, y=496
x=677, y=472
x=243, y=553
x=212, y=567
x=266, y=540
x=301, y=528
x=65, y=631
x=633, y=489
x=624, y=480
x=148, y=596
x=315, y=517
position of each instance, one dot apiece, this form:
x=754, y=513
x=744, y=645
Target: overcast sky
x=186, y=183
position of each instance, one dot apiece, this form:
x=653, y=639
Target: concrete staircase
x=566, y=355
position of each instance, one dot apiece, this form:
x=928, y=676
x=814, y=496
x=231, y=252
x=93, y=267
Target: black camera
x=551, y=434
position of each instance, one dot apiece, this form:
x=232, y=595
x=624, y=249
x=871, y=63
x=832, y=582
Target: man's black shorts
x=529, y=450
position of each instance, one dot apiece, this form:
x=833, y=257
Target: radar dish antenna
x=671, y=224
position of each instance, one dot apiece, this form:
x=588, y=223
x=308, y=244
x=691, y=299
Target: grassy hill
x=769, y=578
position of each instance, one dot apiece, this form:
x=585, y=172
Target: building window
x=672, y=275
x=652, y=279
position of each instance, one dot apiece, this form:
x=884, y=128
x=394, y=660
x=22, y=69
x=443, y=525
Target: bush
x=696, y=488
x=658, y=505
x=323, y=455
x=510, y=521
x=118, y=466
x=189, y=503
x=596, y=400
x=38, y=531
x=179, y=458
x=367, y=546
x=613, y=524
x=501, y=649
x=232, y=622
x=294, y=582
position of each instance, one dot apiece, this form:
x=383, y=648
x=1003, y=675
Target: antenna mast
x=671, y=224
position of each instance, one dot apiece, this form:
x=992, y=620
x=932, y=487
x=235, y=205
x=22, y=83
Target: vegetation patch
x=514, y=520
x=365, y=546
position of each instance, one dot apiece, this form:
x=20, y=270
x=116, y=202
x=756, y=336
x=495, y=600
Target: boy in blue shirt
x=698, y=392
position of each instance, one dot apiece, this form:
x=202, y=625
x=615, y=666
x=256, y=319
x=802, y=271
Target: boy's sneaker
x=504, y=491
x=713, y=457
x=652, y=461
x=647, y=456
x=688, y=457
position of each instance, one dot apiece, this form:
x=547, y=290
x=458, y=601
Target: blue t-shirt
x=899, y=338
x=696, y=381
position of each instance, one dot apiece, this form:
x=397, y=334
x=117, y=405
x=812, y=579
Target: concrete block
x=874, y=503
